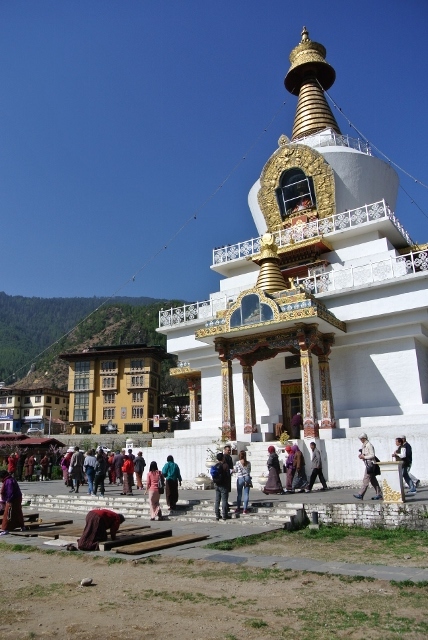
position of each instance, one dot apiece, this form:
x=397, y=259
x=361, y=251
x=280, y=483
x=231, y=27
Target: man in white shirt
x=367, y=454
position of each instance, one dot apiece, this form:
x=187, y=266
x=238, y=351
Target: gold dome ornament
x=308, y=77
x=270, y=279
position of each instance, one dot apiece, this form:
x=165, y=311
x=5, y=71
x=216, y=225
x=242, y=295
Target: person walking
x=76, y=469
x=409, y=457
x=11, y=497
x=243, y=482
x=118, y=464
x=128, y=476
x=400, y=455
x=289, y=470
x=29, y=467
x=300, y=481
x=273, y=484
x=100, y=473
x=139, y=466
x=316, y=469
x=220, y=473
x=367, y=454
x=111, y=471
x=44, y=463
x=155, y=481
x=172, y=474
x=89, y=468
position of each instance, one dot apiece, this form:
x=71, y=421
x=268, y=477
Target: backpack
x=216, y=472
x=161, y=484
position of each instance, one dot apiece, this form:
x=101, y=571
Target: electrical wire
x=162, y=248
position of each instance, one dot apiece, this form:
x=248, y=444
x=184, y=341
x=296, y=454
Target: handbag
x=248, y=483
x=161, y=484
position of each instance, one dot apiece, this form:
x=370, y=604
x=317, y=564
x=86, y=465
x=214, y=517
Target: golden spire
x=308, y=77
x=270, y=277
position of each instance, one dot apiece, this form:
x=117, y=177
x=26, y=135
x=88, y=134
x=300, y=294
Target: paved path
x=229, y=530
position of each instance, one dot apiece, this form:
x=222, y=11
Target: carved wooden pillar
x=310, y=421
x=249, y=404
x=327, y=409
x=194, y=385
x=228, y=405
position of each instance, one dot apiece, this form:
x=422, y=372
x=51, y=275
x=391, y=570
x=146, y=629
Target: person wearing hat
x=367, y=454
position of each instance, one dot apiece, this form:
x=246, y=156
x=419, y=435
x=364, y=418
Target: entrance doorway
x=291, y=396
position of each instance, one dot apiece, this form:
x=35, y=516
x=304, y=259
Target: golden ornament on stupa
x=308, y=77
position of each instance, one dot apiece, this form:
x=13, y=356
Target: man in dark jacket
x=222, y=487
x=118, y=461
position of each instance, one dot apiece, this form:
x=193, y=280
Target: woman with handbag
x=155, y=486
x=243, y=481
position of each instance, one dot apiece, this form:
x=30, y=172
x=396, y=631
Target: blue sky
x=118, y=119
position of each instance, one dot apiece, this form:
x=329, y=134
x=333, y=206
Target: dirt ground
x=156, y=598
x=411, y=553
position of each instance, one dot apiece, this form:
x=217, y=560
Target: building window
x=26, y=413
x=3, y=413
x=108, y=365
x=108, y=414
x=2, y=400
x=137, y=412
x=137, y=365
x=36, y=412
x=137, y=396
x=49, y=399
x=9, y=400
x=251, y=311
x=27, y=400
x=154, y=382
x=63, y=401
x=81, y=383
x=81, y=406
x=295, y=193
x=82, y=367
x=155, y=367
x=109, y=398
x=38, y=399
x=137, y=381
x=109, y=383
x=56, y=400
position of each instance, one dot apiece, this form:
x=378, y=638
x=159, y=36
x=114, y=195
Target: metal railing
x=336, y=140
x=392, y=267
x=317, y=228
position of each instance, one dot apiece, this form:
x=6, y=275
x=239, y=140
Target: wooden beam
x=157, y=545
x=137, y=538
x=46, y=523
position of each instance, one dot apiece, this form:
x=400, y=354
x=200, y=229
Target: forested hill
x=30, y=325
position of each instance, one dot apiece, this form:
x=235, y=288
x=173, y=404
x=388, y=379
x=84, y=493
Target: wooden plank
x=24, y=534
x=137, y=538
x=157, y=545
x=47, y=523
x=30, y=517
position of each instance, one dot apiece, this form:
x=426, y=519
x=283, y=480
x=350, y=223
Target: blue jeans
x=90, y=474
x=221, y=494
x=407, y=479
x=239, y=488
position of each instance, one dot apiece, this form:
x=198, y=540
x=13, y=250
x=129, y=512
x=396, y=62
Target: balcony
x=333, y=224
x=333, y=139
x=393, y=267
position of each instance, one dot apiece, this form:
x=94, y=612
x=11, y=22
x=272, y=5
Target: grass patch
x=255, y=623
x=42, y=591
x=115, y=561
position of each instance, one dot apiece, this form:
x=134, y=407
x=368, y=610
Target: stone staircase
x=261, y=512
x=257, y=454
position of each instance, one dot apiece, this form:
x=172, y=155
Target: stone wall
x=372, y=515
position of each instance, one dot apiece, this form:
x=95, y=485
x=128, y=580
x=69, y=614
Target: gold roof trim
x=184, y=372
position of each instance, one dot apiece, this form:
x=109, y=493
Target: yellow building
x=114, y=389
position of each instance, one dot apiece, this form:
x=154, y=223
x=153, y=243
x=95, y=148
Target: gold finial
x=308, y=77
x=270, y=277
x=283, y=141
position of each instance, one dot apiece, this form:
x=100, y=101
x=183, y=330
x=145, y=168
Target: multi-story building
x=23, y=408
x=115, y=388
